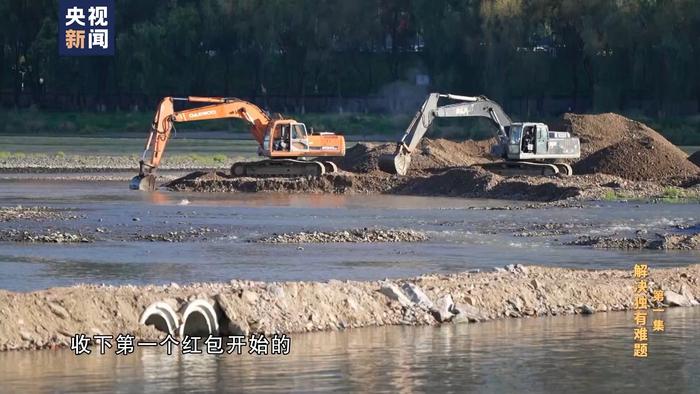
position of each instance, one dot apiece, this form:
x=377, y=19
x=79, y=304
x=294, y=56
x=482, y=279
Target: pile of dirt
x=430, y=155
x=456, y=182
x=615, y=145
x=338, y=183
x=364, y=235
x=470, y=182
x=695, y=158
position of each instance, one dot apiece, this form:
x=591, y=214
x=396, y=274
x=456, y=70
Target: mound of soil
x=339, y=183
x=638, y=159
x=456, y=182
x=615, y=145
x=430, y=155
x=695, y=158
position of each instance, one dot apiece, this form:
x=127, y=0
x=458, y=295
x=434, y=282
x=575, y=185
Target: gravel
x=353, y=235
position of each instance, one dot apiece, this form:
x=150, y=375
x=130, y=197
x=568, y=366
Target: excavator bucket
x=395, y=163
x=145, y=183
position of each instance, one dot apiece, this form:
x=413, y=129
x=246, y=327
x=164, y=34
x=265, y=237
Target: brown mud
x=49, y=318
x=619, y=156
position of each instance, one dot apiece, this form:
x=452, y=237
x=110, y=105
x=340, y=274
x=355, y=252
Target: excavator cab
x=288, y=137
x=527, y=139
x=532, y=141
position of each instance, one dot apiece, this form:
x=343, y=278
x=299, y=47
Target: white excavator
x=527, y=148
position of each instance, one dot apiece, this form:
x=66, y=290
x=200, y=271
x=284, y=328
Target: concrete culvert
x=160, y=315
x=199, y=319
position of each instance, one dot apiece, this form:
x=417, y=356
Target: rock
x=587, y=310
x=467, y=313
x=417, y=296
x=276, y=291
x=443, y=308
x=523, y=269
x=26, y=336
x=537, y=285
x=685, y=292
x=516, y=303
x=394, y=293
x=248, y=296
x=672, y=298
x=58, y=310
x=234, y=324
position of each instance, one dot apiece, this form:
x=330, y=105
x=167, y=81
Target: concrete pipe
x=199, y=319
x=162, y=316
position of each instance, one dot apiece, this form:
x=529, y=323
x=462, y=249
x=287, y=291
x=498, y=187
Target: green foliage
x=673, y=193
x=597, y=55
x=219, y=158
x=615, y=195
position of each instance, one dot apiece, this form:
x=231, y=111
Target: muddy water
x=560, y=354
x=463, y=235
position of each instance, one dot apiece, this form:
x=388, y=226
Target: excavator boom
x=517, y=142
x=466, y=107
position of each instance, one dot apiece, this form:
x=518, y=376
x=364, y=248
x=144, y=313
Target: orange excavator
x=285, y=142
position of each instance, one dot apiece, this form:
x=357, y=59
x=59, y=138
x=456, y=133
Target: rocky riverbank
x=49, y=318
x=44, y=162
x=467, y=182
x=8, y=214
x=656, y=242
x=364, y=235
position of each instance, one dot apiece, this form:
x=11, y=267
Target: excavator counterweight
x=283, y=141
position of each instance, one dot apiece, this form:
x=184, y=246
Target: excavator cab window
x=529, y=135
x=281, y=141
x=299, y=138
x=515, y=134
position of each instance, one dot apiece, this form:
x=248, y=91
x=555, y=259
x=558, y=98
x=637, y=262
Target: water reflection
x=562, y=354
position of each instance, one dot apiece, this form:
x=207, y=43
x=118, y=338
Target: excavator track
x=526, y=168
x=282, y=168
x=564, y=169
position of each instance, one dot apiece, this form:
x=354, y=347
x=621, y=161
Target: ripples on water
x=558, y=355
x=462, y=237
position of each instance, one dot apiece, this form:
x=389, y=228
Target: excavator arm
x=399, y=162
x=166, y=116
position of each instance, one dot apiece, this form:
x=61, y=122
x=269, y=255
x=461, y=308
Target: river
x=463, y=235
x=572, y=354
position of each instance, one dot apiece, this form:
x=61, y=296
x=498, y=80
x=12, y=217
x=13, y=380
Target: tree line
x=592, y=55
